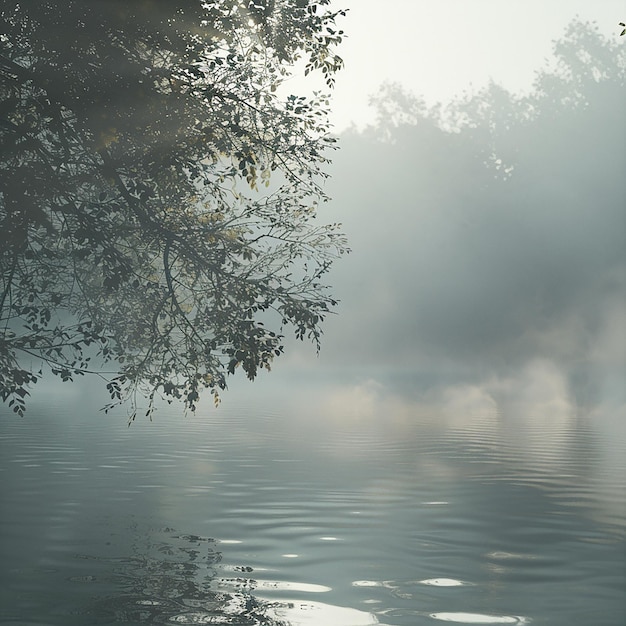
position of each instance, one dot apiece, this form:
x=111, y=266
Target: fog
x=455, y=451
x=488, y=261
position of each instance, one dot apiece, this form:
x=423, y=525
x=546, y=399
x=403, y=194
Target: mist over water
x=488, y=236
x=455, y=454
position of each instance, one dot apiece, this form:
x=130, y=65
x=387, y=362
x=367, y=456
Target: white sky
x=440, y=48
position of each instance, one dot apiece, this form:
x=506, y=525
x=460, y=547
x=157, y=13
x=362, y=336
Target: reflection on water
x=388, y=516
x=175, y=580
x=477, y=618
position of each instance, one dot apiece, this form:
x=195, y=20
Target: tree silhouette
x=157, y=198
x=498, y=223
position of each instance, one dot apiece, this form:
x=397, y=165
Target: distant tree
x=505, y=228
x=157, y=197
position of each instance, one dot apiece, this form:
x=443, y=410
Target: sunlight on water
x=316, y=613
x=443, y=582
x=476, y=618
x=281, y=586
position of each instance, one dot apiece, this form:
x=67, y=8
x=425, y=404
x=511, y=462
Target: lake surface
x=307, y=509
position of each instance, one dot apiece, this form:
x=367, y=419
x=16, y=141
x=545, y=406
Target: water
x=296, y=510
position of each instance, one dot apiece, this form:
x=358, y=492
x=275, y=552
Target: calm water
x=300, y=511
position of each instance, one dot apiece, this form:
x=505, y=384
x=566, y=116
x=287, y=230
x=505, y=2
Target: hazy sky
x=439, y=48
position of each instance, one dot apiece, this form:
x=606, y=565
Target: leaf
x=123, y=184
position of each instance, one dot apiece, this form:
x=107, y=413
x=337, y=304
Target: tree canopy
x=157, y=196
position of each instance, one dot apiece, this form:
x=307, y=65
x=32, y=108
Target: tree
x=157, y=197
x=503, y=235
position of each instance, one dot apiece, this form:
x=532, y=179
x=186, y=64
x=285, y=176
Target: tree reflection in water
x=173, y=579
